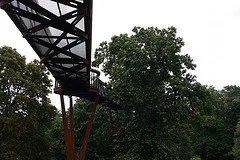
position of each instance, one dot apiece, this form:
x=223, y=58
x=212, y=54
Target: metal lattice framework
x=60, y=32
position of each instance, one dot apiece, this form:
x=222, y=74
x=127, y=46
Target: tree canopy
x=25, y=110
x=150, y=78
x=167, y=114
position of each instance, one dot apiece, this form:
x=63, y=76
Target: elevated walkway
x=60, y=32
x=96, y=87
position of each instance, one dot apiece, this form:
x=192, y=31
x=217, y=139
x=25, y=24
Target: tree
x=25, y=110
x=215, y=117
x=210, y=136
x=236, y=147
x=231, y=114
x=231, y=118
x=149, y=78
x=100, y=144
x=56, y=139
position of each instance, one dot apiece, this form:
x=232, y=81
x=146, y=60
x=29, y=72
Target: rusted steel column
x=65, y=125
x=88, y=130
x=71, y=131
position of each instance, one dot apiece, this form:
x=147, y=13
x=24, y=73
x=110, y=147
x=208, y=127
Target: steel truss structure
x=60, y=32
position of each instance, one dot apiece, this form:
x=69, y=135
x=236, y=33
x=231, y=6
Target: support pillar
x=88, y=130
x=68, y=132
x=71, y=130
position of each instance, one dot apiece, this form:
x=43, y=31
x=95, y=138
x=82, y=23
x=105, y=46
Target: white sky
x=210, y=29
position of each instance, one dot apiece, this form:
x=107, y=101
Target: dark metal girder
x=59, y=76
x=64, y=78
x=78, y=5
x=67, y=70
x=64, y=61
x=75, y=21
x=53, y=37
x=64, y=69
x=67, y=16
x=76, y=69
x=55, y=21
x=44, y=23
x=65, y=48
x=48, y=23
x=79, y=74
x=88, y=27
x=68, y=46
x=3, y=3
x=59, y=50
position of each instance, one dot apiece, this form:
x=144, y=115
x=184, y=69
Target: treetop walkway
x=60, y=32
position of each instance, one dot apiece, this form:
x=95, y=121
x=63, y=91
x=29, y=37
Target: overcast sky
x=210, y=29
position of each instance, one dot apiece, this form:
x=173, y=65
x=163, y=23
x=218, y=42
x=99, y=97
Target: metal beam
x=59, y=50
x=65, y=125
x=55, y=21
x=64, y=61
x=88, y=130
x=75, y=21
x=71, y=131
x=3, y=3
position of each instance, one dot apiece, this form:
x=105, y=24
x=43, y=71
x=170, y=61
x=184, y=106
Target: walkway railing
x=96, y=83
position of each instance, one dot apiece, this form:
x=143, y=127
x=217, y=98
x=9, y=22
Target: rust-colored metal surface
x=65, y=127
x=68, y=131
x=71, y=130
x=88, y=130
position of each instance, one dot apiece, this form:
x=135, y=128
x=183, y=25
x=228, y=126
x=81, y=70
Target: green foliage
x=216, y=115
x=236, y=147
x=167, y=115
x=231, y=117
x=150, y=79
x=231, y=114
x=100, y=144
x=56, y=139
x=209, y=134
x=25, y=110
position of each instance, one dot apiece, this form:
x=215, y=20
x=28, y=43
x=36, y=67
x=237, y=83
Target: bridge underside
x=60, y=33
